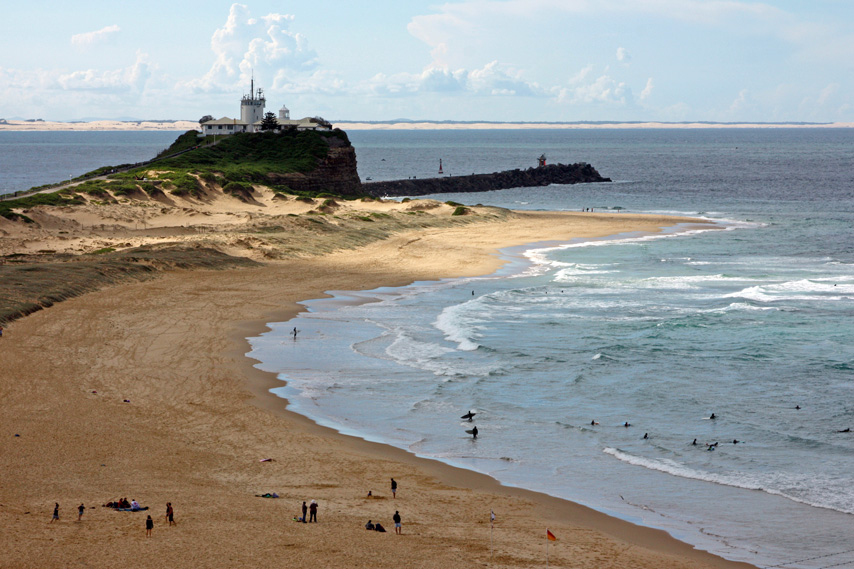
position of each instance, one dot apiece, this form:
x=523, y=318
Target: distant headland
x=352, y=125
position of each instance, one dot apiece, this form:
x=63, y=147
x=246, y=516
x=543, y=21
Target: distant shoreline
x=184, y=125
x=428, y=125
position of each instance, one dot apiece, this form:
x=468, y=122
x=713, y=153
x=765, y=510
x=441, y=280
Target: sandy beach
x=142, y=390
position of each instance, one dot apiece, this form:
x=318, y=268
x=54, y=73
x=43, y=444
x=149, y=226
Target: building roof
x=223, y=120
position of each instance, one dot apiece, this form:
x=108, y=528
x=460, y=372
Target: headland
x=139, y=387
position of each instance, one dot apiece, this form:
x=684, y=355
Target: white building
x=252, y=113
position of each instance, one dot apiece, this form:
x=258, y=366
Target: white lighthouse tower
x=252, y=107
x=284, y=114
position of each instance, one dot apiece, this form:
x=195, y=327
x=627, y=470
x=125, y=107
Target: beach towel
x=131, y=509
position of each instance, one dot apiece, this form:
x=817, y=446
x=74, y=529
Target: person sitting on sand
x=379, y=527
x=370, y=526
x=134, y=505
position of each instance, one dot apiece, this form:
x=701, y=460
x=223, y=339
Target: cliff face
x=532, y=177
x=335, y=174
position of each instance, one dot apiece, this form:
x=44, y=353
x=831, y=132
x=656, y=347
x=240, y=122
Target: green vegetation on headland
x=233, y=162
x=246, y=157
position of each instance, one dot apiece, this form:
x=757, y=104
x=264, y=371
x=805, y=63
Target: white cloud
x=131, y=79
x=493, y=80
x=647, y=90
x=263, y=46
x=623, y=55
x=91, y=38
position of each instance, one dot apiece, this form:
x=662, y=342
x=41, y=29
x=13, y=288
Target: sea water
x=570, y=341
x=34, y=158
x=748, y=322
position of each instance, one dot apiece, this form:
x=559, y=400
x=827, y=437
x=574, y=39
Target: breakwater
x=579, y=173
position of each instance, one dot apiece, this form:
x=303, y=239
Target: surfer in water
x=713, y=417
x=469, y=416
x=627, y=424
x=473, y=432
x=695, y=442
x=848, y=430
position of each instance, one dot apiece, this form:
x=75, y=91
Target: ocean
x=751, y=322
x=32, y=158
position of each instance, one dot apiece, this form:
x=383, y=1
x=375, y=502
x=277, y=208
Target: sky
x=460, y=60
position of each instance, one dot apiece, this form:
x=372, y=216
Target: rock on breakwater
x=541, y=176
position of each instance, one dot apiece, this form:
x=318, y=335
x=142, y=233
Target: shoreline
x=262, y=383
x=174, y=348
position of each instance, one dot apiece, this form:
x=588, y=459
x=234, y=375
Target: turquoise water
x=750, y=322
x=747, y=322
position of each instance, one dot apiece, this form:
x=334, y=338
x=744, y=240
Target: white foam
x=405, y=349
x=458, y=327
x=838, y=498
x=808, y=289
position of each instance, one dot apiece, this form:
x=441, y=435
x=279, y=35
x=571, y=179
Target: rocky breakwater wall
x=335, y=174
x=579, y=173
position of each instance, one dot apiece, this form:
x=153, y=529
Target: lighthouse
x=252, y=107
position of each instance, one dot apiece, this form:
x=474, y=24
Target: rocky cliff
x=335, y=174
x=542, y=176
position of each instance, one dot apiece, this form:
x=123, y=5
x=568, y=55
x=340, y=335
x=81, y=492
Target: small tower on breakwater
x=440, y=166
x=252, y=106
x=541, y=161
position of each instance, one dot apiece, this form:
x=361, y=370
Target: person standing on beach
x=313, y=512
x=149, y=525
x=397, y=526
x=55, y=512
x=304, y=513
x=393, y=488
x=80, y=509
x=170, y=514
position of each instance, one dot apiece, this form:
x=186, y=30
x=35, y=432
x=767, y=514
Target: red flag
x=550, y=535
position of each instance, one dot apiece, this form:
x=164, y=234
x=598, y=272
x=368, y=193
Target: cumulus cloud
x=583, y=88
x=131, y=79
x=264, y=46
x=492, y=79
x=91, y=38
x=623, y=55
x=647, y=90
